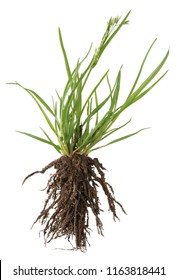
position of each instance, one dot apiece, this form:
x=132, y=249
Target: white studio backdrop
x=142, y=169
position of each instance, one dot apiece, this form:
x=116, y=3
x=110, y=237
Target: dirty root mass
x=71, y=191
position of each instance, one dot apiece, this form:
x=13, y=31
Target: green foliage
x=76, y=124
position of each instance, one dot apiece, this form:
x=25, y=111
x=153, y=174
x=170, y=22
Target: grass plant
x=77, y=123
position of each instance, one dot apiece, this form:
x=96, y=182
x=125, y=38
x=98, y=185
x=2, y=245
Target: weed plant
x=79, y=128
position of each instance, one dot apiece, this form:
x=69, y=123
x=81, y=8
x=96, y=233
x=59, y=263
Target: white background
x=142, y=169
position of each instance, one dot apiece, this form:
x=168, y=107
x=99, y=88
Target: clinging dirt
x=71, y=191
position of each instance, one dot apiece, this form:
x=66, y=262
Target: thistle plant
x=77, y=122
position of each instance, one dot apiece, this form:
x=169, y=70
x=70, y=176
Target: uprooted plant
x=78, y=126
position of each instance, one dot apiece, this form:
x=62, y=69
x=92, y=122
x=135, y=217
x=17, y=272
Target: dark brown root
x=71, y=191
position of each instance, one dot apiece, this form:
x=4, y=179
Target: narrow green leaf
x=148, y=89
x=40, y=139
x=109, y=84
x=64, y=53
x=85, y=57
x=36, y=96
x=40, y=101
x=109, y=132
x=93, y=112
x=55, y=146
x=94, y=90
x=102, y=133
x=96, y=104
x=116, y=90
x=47, y=118
x=87, y=123
x=96, y=132
x=119, y=139
x=56, y=121
x=150, y=77
x=141, y=68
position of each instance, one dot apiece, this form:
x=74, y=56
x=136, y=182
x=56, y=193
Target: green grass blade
x=87, y=123
x=109, y=132
x=148, y=89
x=95, y=132
x=94, y=90
x=96, y=105
x=141, y=68
x=85, y=57
x=109, y=84
x=40, y=101
x=78, y=106
x=97, y=108
x=104, y=133
x=150, y=77
x=47, y=119
x=55, y=146
x=40, y=139
x=118, y=139
x=116, y=90
x=35, y=96
x=56, y=121
x=64, y=53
